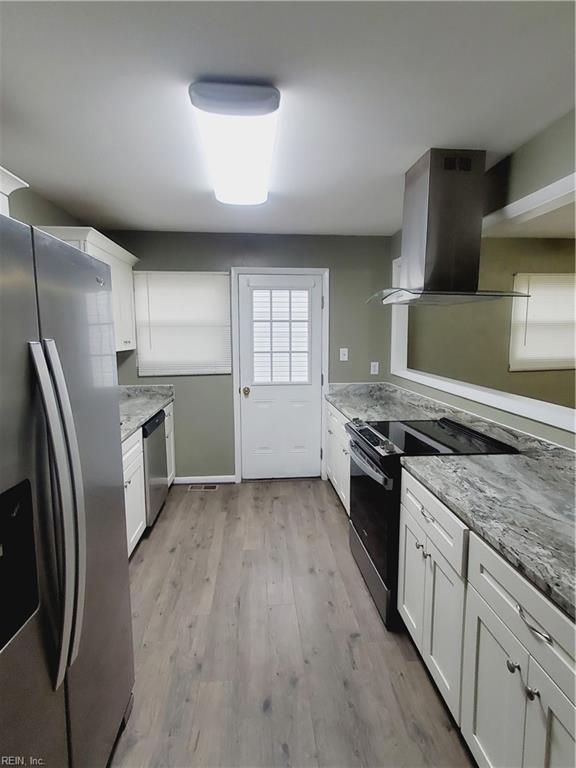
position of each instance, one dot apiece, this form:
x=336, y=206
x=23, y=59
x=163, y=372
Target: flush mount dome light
x=237, y=125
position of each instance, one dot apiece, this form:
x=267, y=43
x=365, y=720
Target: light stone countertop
x=520, y=504
x=138, y=403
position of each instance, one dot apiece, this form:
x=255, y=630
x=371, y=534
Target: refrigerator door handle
x=64, y=491
x=78, y=488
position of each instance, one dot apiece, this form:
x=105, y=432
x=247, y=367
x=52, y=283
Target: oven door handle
x=372, y=472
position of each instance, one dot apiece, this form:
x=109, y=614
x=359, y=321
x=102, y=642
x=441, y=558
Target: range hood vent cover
x=441, y=231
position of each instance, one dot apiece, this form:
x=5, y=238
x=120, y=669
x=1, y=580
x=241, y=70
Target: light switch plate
x=343, y=354
x=374, y=368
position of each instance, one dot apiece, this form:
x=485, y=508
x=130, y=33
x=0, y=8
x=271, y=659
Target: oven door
x=375, y=517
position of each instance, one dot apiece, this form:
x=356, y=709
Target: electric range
x=376, y=448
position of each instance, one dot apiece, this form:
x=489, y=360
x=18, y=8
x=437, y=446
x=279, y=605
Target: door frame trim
x=235, y=272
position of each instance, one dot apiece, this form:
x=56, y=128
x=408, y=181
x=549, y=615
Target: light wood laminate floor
x=257, y=643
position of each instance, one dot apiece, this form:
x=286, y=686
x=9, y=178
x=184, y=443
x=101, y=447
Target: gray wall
x=544, y=431
x=29, y=206
x=481, y=332
x=544, y=159
x=203, y=404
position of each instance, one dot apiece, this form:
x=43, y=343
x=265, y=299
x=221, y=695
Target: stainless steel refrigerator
x=66, y=656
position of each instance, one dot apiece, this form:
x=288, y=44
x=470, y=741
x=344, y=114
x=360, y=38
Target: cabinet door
x=170, y=455
x=411, y=575
x=135, y=502
x=123, y=286
x=331, y=446
x=443, y=627
x=550, y=716
x=342, y=462
x=495, y=671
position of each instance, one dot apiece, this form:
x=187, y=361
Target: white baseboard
x=204, y=479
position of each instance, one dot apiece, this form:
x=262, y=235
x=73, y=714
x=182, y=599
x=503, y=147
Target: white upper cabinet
x=121, y=263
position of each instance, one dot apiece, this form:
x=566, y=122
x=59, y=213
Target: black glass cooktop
x=427, y=437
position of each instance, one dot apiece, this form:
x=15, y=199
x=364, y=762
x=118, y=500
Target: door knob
x=246, y=391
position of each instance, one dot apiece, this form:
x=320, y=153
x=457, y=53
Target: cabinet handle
x=512, y=666
x=127, y=483
x=426, y=554
x=532, y=693
x=543, y=635
x=418, y=545
x=330, y=432
x=126, y=341
x=428, y=518
x=345, y=452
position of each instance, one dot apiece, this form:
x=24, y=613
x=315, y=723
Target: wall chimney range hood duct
x=441, y=231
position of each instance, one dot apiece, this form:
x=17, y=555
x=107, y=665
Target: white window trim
x=546, y=199
x=235, y=272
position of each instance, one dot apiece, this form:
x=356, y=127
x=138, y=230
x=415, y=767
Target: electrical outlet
x=343, y=354
x=374, y=368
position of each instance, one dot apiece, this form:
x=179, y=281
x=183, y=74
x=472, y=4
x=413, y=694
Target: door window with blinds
x=542, y=333
x=281, y=336
x=183, y=323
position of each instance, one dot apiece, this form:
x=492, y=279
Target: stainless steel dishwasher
x=155, y=465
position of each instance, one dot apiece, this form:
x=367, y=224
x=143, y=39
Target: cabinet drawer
x=527, y=613
x=444, y=529
x=131, y=448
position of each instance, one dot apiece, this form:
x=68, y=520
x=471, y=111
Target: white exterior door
x=280, y=323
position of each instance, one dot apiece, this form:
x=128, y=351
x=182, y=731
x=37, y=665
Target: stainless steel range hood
x=441, y=231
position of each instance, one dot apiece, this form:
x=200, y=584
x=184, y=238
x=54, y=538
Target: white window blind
x=281, y=336
x=542, y=334
x=182, y=323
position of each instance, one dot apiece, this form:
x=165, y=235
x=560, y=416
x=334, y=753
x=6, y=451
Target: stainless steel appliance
x=66, y=659
x=376, y=448
x=444, y=200
x=155, y=465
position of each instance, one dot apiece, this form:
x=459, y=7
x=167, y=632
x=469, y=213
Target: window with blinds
x=281, y=336
x=542, y=332
x=182, y=323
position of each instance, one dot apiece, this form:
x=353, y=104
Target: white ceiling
x=95, y=111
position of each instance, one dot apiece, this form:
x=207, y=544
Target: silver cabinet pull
x=127, y=483
x=330, y=432
x=512, y=666
x=428, y=518
x=418, y=545
x=532, y=693
x=543, y=635
x=78, y=487
x=66, y=503
x=345, y=452
x=426, y=555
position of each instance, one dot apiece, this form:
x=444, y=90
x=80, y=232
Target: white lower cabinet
x=338, y=455
x=411, y=575
x=170, y=452
x=134, y=489
x=135, y=502
x=500, y=653
x=513, y=714
x=431, y=602
x=443, y=628
x=550, y=717
x=494, y=675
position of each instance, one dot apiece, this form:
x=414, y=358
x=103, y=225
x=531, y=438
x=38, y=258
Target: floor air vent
x=203, y=487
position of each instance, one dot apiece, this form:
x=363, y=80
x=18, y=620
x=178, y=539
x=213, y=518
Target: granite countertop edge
x=498, y=532
x=140, y=403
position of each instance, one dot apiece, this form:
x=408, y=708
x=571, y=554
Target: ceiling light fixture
x=237, y=125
